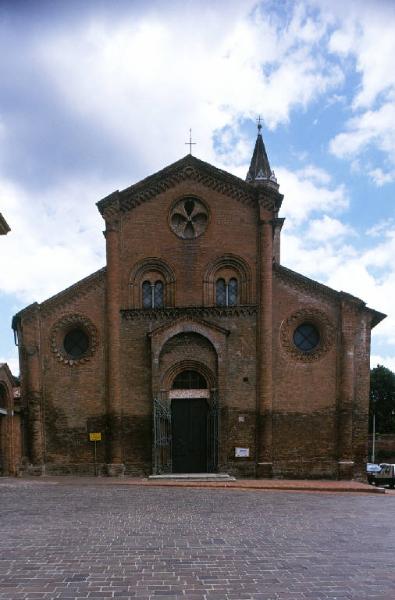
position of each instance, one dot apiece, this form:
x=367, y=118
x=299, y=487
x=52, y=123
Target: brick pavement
x=63, y=540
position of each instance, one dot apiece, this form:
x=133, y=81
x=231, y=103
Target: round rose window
x=188, y=218
x=76, y=343
x=306, y=337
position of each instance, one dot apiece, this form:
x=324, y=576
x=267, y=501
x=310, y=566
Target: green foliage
x=382, y=399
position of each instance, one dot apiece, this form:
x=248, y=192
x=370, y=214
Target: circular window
x=74, y=339
x=306, y=337
x=307, y=334
x=188, y=218
x=76, y=343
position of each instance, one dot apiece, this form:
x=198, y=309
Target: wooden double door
x=189, y=418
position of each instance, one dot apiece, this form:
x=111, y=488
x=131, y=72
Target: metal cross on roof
x=190, y=143
x=259, y=123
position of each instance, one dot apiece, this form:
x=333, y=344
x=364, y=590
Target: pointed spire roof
x=260, y=171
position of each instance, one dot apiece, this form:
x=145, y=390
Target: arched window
x=226, y=292
x=151, y=284
x=189, y=380
x=152, y=294
x=220, y=292
x=147, y=295
x=158, y=294
x=232, y=292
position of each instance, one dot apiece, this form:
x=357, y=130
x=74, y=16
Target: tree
x=382, y=399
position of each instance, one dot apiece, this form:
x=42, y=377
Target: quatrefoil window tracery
x=189, y=218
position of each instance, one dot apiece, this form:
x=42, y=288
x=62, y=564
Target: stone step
x=192, y=477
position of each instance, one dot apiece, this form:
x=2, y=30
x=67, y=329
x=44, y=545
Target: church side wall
x=73, y=394
x=305, y=391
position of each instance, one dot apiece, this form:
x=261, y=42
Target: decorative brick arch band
x=312, y=316
x=62, y=327
x=141, y=271
x=213, y=333
x=188, y=365
x=241, y=270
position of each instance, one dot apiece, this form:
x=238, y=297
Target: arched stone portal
x=187, y=370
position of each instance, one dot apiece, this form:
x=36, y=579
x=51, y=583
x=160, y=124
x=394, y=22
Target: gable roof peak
x=260, y=171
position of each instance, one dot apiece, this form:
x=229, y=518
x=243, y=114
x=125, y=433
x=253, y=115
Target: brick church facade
x=194, y=349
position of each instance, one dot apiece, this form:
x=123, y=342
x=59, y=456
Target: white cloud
x=307, y=192
x=386, y=361
x=104, y=72
x=327, y=228
x=365, y=32
x=373, y=127
x=382, y=228
x=55, y=237
x=380, y=178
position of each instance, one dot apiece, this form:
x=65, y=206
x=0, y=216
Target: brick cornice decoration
x=75, y=291
x=315, y=317
x=193, y=322
x=304, y=284
x=164, y=314
x=62, y=327
x=188, y=168
x=61, y=300
x=28, y=315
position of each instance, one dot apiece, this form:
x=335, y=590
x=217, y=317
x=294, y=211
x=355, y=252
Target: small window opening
x=226, y=292
x=189, y=380
x=153, y=294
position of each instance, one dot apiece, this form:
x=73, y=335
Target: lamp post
x=373, y=399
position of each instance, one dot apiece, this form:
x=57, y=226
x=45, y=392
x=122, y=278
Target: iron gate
x=163, y=441
x=162, y=437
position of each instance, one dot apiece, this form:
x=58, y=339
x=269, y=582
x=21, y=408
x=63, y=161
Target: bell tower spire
x=260, y=171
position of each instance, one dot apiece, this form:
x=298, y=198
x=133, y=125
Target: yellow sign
x=95, y=437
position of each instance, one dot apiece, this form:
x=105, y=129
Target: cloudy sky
x=95, y=95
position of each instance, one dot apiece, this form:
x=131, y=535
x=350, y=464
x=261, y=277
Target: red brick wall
x=145, y=233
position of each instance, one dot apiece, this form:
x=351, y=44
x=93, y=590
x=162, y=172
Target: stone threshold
x=192, y=477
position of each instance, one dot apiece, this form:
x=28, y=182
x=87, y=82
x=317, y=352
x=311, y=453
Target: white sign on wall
x=242, y=452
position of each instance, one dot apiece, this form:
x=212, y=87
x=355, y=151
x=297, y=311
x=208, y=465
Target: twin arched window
x=153, y=294
x=226, y=282
x=226, y=292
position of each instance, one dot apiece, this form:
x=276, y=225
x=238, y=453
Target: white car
x=386, y=475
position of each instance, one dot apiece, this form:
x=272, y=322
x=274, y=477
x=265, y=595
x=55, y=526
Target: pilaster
x=265, y=347
x=114, y=408
x=349, y=311
x=33, y=390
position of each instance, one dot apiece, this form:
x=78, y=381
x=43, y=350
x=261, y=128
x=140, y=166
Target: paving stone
x=92, y=541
